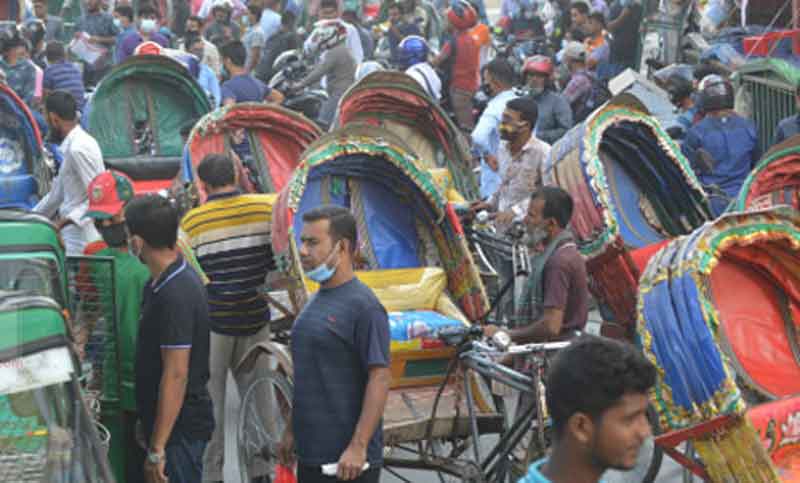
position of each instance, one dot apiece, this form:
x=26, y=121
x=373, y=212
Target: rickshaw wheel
x=258, y=435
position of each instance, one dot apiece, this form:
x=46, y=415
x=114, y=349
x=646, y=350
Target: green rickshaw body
x=46, y=433
x=32, y=257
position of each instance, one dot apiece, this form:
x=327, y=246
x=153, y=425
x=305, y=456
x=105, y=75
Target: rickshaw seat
x=147, y=167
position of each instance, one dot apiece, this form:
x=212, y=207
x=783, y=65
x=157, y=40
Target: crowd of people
x=189, y=288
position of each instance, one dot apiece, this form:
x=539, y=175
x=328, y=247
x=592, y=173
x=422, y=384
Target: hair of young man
x=526, y=107
x=557, y=204
x=342, y=223
x=153, y=218
x=235, y=52
x=62, y=104
x=598, y=17
x=287, y=19
x=125, y=11
x=147, y=11
x=501, y=71
x=55, y=51
x=256, y=10
x=329, y=4
x=216, y=170
x=580, y=7
x=591, y=375
x=198, y=20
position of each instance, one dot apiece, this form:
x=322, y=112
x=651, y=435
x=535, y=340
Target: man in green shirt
x=108, y=193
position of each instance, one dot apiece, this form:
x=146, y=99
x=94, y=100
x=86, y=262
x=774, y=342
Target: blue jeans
x=185, y=461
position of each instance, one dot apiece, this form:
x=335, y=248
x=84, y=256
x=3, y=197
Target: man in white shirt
x=329, y=10
x=68, y=199
x=414, y=56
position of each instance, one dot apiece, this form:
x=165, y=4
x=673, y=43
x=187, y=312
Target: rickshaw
x=33, y=264
x=396, y=102
x=136, y=115
x=32, y=258
x=413, y=256
x=717, y=315
x=632, y=189
x=46, y=432
x=774, y=181
x=267, y=139
x=12, y=11
x=25, y=170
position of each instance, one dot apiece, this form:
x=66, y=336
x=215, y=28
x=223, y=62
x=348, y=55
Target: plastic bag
x=284, y=474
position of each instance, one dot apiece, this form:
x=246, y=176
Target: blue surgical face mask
x=117, y=22
x=148, y=25
x=324, y=271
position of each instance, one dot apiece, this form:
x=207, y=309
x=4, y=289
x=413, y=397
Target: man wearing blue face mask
x=340, y=351
x=148, y=32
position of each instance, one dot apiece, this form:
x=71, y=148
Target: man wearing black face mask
x=108, y=193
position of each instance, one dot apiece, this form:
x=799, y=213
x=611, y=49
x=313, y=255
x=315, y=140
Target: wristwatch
x=154, y=457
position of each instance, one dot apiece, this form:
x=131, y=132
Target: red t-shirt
x=466, y=65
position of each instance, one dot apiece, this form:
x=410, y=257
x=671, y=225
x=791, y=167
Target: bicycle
x=472, y=354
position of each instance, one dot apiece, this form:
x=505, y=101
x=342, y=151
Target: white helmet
x=326, y=35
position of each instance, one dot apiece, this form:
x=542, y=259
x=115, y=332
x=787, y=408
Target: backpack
x=594, y=98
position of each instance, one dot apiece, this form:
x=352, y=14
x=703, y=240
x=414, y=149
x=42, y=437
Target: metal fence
x=95, y=326
x=771, y=101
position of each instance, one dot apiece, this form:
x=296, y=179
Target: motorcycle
x=516, y=50
x=290, y=68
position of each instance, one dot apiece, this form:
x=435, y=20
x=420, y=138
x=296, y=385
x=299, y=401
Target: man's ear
x=581, y=427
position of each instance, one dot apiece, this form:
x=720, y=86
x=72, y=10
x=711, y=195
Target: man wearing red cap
x=108, y=193
x=460, y=58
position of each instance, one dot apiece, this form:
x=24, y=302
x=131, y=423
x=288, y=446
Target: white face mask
x=148, y=25
x=117, y=22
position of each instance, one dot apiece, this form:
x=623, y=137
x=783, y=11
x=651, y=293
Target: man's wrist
x=358, y=443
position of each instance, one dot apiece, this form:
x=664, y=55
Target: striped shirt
x=230, y=235
x=65, y=76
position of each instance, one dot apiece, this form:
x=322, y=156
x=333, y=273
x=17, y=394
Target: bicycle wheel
x=258, y=434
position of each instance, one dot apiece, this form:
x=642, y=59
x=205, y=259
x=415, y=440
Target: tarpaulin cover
x=20, y=151
x=145, y=92
x=774, y=181
x=778, y=425
x=395, y=101
x=717, y=308
x=631, y=187
x=697, y=327
x=368, y=169
x=276, y=139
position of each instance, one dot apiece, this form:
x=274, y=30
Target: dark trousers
x=313, y=474
x=134, y=454
x=185, y=461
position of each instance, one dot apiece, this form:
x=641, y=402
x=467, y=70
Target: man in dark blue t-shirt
x=172, y=349
x=241, y=86
x=340, y=351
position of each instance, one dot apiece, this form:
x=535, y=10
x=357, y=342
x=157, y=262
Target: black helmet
x=10, y=38
x=716, y=94
x=34, y=30
x=679, y=88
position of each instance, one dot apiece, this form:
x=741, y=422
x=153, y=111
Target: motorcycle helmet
x=462, y=15
x=716, y=94
x=366, y=68
x=9, y=39
x=538, y=64
x=413, y=50
x=326, y=35
x=34, y=30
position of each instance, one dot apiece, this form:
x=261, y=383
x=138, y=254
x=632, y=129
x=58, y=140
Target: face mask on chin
x=324, y=271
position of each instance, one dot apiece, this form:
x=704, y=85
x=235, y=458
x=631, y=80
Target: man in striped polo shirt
x=231, y=238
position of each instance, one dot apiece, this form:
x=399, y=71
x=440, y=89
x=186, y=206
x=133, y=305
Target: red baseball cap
x=108, y=193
